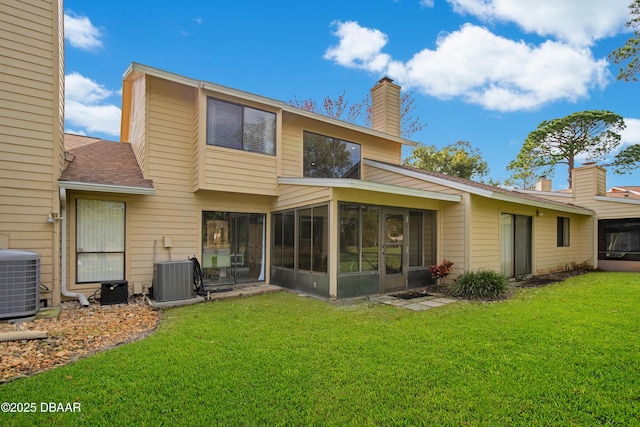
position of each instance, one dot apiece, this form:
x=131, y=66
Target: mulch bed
x=77, y=333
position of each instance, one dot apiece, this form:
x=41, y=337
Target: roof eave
x=106, y=188
x=479, y=191
x=357, y=184
x=187, y=81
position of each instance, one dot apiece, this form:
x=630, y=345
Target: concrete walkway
x=416, y=304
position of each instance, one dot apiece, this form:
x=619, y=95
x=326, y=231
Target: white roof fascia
x=187, y=81
x=105, y=188
x=357, y=184
x=617, y=200
x=477, y=191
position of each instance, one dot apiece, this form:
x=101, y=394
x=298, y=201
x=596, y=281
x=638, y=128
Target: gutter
x=63, y=253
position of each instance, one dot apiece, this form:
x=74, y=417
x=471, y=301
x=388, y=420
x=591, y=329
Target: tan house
x=255, y=189
x=261, y=191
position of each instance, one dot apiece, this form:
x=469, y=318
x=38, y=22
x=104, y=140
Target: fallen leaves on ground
x=78, y=332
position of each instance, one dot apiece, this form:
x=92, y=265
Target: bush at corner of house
x=483, y=285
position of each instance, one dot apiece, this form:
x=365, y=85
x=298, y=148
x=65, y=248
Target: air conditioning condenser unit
x=173, y=280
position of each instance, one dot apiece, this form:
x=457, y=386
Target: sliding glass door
x=515, y=245
x=232, y=247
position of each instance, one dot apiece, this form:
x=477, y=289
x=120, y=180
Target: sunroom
x=355, y=237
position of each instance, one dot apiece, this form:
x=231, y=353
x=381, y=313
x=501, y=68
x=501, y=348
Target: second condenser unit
x=172, y=280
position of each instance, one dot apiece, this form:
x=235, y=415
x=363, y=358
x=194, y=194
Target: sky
x=483, y=71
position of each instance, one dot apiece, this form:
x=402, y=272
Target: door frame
x=393, y=281
x=519, y=261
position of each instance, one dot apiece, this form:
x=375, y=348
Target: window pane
x=349, y=238
x=100, y=240
x=304, y=239
x=506, y=244
x=98, y=267
x=370, y=238
x=429, y=239
x=563, y=232
x=288, y=237
x=224, y=124
x=415, y=239
x=259, y=131
x=320, y=239
x=619, y=239
x=276, y=256
x=346, y=159
x=318, y=156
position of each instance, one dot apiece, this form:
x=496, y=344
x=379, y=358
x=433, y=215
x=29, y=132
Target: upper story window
x=240, y=127
x=326, y=157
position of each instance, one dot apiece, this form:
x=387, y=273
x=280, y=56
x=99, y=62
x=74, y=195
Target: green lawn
x=565, y=354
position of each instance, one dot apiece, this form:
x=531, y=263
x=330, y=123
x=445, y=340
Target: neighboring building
x=617, y=220
x=256, y=189
x=31, y=132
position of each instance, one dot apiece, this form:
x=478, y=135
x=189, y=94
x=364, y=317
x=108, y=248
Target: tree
x=592, y=134
x=459, y=159
x=360, y=112
x=626, y=160
x=631, y=49
x=525, y=175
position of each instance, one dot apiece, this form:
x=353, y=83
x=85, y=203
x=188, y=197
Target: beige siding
x=374, y=174
x=292, y=143
x=226, y=169
x=199, y=117
x=138, y=120
x=546, y=255
x=31, y=103
x=239, y=171
x=175, y=210
x=453, y=235
x=292, y=196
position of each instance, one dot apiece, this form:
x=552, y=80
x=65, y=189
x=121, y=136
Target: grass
x=565, y=354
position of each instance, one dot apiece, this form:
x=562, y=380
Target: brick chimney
x=589, y=180
x=385, y=107
x=543, y=184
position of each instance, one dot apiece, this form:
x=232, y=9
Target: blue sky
x=483, y=71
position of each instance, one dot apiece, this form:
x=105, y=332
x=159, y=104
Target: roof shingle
x=104, y=162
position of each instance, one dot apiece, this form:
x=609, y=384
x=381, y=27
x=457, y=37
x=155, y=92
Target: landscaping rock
x=77, y=333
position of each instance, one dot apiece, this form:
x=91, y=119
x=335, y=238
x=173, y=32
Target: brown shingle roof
x=98, y=161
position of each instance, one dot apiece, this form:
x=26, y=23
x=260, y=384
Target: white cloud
x=479, y=67
x=426, y=3
x=86, y=106
x=631, y=134
x=359, y=47
x=80, y=32
x=578, y=22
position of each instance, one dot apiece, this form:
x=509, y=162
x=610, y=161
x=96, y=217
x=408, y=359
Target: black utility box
x=114, y=292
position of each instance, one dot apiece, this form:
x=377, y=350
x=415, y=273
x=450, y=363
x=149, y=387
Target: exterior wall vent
x=19, y=283
x=172, y=280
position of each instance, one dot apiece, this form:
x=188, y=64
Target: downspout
x=63, y=253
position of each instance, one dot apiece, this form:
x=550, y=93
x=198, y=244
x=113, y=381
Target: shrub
x=484, y=284
x=440, y=271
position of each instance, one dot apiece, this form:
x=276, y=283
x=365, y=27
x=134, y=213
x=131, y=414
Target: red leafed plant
x=440, y=271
